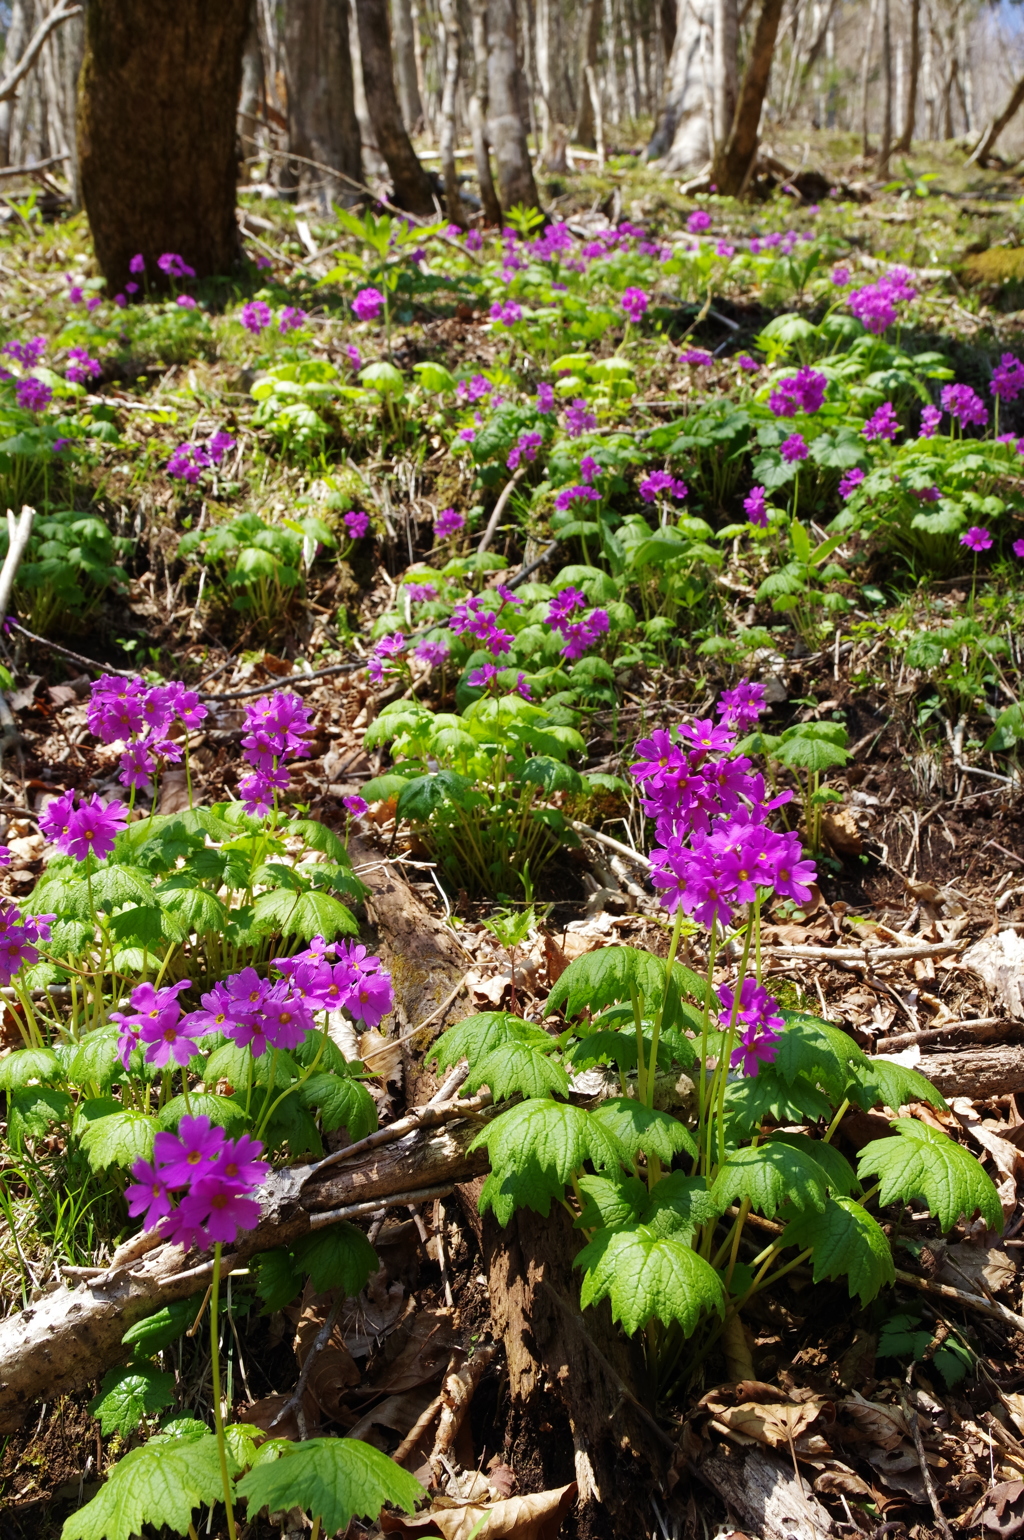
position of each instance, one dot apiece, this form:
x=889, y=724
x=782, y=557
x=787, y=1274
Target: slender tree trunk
x=913, y=75
x=583, y=133
x=72, y=51
x=479, y=103
x=734, y=163
x=987, y=141
x=725, y=69
x=966, y=74
x=450, y=22
x=322, y=123
x=668, y=11
x=543, y=45
x=885, y=149
x=252, y=89
x=405, y=65
x=508, y=132
x=865, y=80
x=17, y=37
x=412, y=186
x=680, y=141
x=156, y=128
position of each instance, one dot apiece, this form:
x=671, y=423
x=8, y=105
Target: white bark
x=725, y=67
x=681, y=140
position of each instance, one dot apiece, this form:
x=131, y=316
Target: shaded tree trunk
x=583, y=133
x=252, y=89
x=987, y=141
x=885, y=149
x=322, y=123
x=158, y=94
x=680, y=141
x=17, y=37
x=412, y=186
x=479, y=103
x=913, y=75
x=865, y=80
x=507, y=129
x=734, y=162
x=450, y=22
x=405, y=65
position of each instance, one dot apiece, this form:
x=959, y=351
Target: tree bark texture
x=725, y=67
x=865, y=79
x=405, y=65
x=986, y=143
x=17, y=37
x=734, y=163
x=453, y=202
x=765, y=1493
x=252, y=90
x=507, y=128
x=413, y=189
x=913, y=75
x=583, y=134
x=556, y=1376
x=885, y=148
x=156, y=132
x=322, y=123
x=479, y=102
x=681, y=141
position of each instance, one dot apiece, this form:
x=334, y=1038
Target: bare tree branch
x=62, y=12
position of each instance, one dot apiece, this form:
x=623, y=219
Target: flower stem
x=218, y=1418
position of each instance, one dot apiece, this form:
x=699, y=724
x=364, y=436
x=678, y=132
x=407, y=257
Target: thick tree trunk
x=913, y=75
x=156, y=132
x=507, y=129
x=590, y=39
x=17, y=37
x=479, y=102
x=405, y=65
x=450, y=22
x=322, y=123
x=734, y=163
x=412, y=186
x=681, y=141
x=725, y=67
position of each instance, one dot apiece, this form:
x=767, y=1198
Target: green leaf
x=649, y=1277
x=817, y=1052
x=163, y=1327
x=342, y=1102
x=769, y=1176
x=637, y=1127
x=475, y=1036
x=24, y=1065
x=332, y=1479
x=605, y=977
x=841, y=1175
x=305, y=915
x=199, y=910
x=277, y=1278
x=222, y=1111
x=339, y=1257
x=32, y=1111
x=811, y=753
x=881, y=1083
x=846, y=1242
x=611, y=1203
x=119, y=1139
x=535, y=1148
x=95, y=1060
x=748, y=1102
x=138, y=925
x=160, y=1483
x=925, y=1164
x=130, y=1394
x=678, y=1205
x=519, y=1069
x=319, y=837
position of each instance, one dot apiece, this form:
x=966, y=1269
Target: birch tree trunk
x=913, y=75
x=885, y=148
x=583, y=133
x=412, y=186
x=479, y=103
x=725, y=67
x=865, y=78
x=322, y=123
x=405, y=65
x=735, y=162
x=450, y=22
x=17, y=37
x=680, y=141
x=158, y=94
x=543, y=46
x=507, y=129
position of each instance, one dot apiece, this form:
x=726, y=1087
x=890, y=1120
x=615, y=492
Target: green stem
x=705, y=1018
x=656, y=1035
x=218, y=1418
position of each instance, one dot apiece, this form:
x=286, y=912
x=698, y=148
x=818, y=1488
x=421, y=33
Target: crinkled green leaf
x=748, y=1102
x=95, y=1060
x=649, y=1277
x=130, y=1394
x=769, y=1176
x=535, y=1148
x=332, y=1479
x=611, y=1203
x=846, y=1242
x=222, y=1111
x=24, y=1065
x=881, y=1083
x=678, y=1205
x=475, y=1036
x=637, y=1127
x=605, y=977
x=163, y=1327
x=342, y=1103
x=338, y=1257
x=519, y=1069
x=925, y=1164
x=278, y=1280
x=841, y=1175
x=32, y=1111
x=119, y=1139
x=160, y=1483
x=304, y=914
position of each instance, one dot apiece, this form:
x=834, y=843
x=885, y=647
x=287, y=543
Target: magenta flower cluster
x=569, y=495
x=255, y=316
x=755, y=505
x=28, y=353
x=448, y=522
x=277, y=727
x=634, y=303
x=357, y=524
x=875, y=306
x=525, y=449
x=210, y=1175
x=189, y=461
x=84, y=827
x=579, y=419
x=81, y=368
x=800, y=392
x=368, y=304
x=33, y=395
x=1007, y=378
x=19, y=934
x=754, y=1012
x=659, y=482
x=882, y=424
x=507, y=312
x=849, y=483
x=964, y=405
x=127, y=710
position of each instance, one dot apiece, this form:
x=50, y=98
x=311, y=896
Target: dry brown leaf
x=555, y=960
x=262, y=1414
x=878, y=1424
x=900, y=1470
x=776, y=1425
x=386, y=1061
x=1001, y=1510
x=399, y=1413
x=975, y=1265
x=841, y=831
x=424, y=1356
x=1014, y=1404
x=999, y=961
x=537, y=1516
x=842, y=1482
x=491, y=987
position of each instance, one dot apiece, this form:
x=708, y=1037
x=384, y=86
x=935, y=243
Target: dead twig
x=922, y=1459
x=990, y=1307
x=420, y=1117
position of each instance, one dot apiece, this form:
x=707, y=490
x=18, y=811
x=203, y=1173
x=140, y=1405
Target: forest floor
x=887, y=1411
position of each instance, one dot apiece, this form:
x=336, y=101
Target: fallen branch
x=61, y=13
x=867, y=954
x=989, y=1307
x=499, y=508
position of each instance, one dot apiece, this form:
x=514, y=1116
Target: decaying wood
x=765, y=1494
x=456, y=1393
x=977, y=1073
x=69, y=1337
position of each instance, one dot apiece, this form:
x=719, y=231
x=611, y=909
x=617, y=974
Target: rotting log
x=977, y=1073
x=764, y=1494
x=70, y=1336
